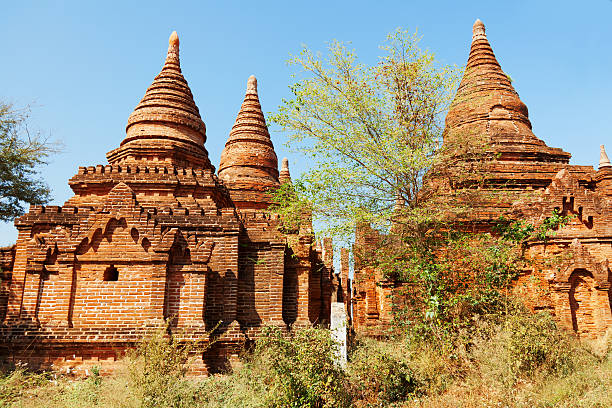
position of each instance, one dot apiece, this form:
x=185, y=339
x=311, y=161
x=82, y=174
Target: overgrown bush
x=302, y=370
x=14, y=383
x=526, y=346
x=536, y=343
x=378, y=375
x=157, y=372
x=296, y=370
x=85, y=393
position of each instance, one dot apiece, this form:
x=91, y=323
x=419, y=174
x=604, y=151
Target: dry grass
x=497, y=366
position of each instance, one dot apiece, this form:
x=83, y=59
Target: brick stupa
x=516, y=176
x=156, y=236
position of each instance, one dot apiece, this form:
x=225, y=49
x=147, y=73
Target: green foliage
x=377, y=375
x=449, y=279
x=453, y=277
x=157, y=372
x=20, y=155
x=536, y=344
x=521, y=360
x=521, y=231
x=84, y=393
x=302, y=371
x=527, y=346
x=370, y=132
x=14, y=384
x=284, y=370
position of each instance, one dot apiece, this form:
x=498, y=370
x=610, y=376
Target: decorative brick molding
x=155, y=236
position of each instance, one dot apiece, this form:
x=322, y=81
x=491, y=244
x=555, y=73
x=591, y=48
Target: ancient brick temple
x=568, y=274
x=155, y=235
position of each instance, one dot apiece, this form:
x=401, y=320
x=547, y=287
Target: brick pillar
x=230, y=279
x=602, y=314
x=561, y=300
x=277, y=270
x=193, y=300
x=344, y=281
x=303, y=297
x=19, y=277
x=31, y=288
x=303, y=270
x=157, y=282
x=65, y=285
x=328, y=253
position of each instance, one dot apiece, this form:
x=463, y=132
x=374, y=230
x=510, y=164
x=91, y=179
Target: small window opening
x=111, y=274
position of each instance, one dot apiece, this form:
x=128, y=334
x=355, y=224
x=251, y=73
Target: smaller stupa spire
x=478, y=30
x=251, y=85
x=604, y=161
x=249, y=166
x=284, y=176
x=172, y=59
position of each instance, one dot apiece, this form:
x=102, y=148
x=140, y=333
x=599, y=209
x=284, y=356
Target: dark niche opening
x=111, y=274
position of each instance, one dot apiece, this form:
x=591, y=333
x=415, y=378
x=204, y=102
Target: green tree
x=21, y=153
x=370, y=132
x=373, y=136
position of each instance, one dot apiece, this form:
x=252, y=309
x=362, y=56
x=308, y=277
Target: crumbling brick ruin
x=568, y=274
x=155, y=235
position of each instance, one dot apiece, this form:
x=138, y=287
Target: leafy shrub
x=526, y=346
x=300, y=369
x=379, y=376
x=157, y=372
x=14, y=383
x=85, y=393
x=536, y=343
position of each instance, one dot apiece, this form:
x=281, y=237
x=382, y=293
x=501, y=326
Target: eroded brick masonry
x=568, y=274
x=158, y=235
x=155, y=235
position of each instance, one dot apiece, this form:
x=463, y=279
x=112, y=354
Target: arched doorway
x=582, y=297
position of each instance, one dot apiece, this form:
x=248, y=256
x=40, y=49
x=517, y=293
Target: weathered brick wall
x=155, y=236
x=7, y=258
x=519, y=177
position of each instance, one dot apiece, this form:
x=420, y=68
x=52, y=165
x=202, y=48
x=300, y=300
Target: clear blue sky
x=87, y=64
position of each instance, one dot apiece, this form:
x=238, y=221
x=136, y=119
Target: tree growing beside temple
x=373, y=136
x=370, y=132
x=21, y=154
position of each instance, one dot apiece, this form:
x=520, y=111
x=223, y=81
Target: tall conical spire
x=604, y=161
x=248, y=161
x=486, y=104
x=166, y=124
x=284, y=176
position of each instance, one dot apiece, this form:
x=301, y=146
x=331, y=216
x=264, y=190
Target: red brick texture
x=568, y=274
x=156, y=236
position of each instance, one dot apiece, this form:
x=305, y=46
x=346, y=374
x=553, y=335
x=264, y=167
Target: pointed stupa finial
x=174, y=40
x=284, y=175
x=604, y=161
x=478, y=29
x=487, y=104
x=173, y=50
x=252, y=85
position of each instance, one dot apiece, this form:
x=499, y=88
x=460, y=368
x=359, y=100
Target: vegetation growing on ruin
x=461, y=339
x=522, y=361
